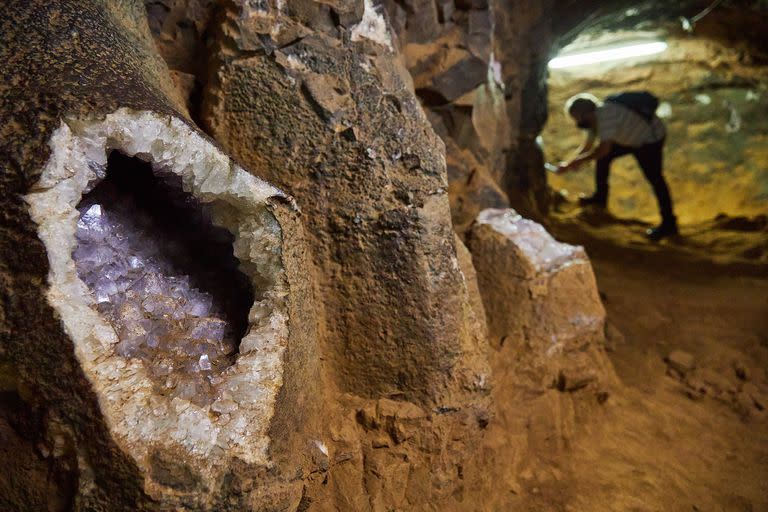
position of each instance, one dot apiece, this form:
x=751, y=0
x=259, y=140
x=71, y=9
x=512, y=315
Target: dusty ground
x=695, y=440
x=734, y=242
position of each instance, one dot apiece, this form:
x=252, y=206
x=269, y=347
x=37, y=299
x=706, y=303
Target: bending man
x=622, y=129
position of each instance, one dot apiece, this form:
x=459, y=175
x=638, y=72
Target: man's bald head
x=582, y=108
x=581, y=104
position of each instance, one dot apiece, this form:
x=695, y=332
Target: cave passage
x=712, y=102
x=164, y=276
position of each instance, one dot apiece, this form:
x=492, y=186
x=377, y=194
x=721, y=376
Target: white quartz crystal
x=540, y=249
x=372, y=26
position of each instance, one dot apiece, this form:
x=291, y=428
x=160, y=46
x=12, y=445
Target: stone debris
x=680, y=361
x=741, y=370
x=724, y=380
x=461, y=78
x=159, y=316
x=541, y=302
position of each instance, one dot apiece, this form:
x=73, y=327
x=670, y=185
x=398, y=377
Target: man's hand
x=595, y=154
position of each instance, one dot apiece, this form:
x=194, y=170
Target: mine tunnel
x=707, y=69
x=707, y=73
x=413, y=255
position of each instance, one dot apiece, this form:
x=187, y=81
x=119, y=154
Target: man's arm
x=588, y=153
x=587, y=145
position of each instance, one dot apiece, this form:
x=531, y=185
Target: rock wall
x=363, y=378
x=84, y=80
x=346, y=137
x=479, y=69
x=546, y=333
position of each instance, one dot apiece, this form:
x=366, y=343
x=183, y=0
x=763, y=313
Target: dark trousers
x=650, y=160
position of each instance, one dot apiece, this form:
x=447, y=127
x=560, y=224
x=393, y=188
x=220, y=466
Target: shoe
x=593, y=200
x=663, y=230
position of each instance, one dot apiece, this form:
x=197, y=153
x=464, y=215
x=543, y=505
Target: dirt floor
x=731, y=244
x=690, y=434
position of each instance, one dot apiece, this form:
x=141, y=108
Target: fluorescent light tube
x=608, y=54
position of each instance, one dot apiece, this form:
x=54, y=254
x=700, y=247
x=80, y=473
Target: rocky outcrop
x=326, y=113
x=541, y=302
x=139, y=418
x=481, y=77
x=324, y=109
x=549, y=284
x=546, y=330
x=292, y=327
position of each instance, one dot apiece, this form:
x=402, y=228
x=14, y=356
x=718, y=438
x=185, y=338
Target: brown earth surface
x=738, y=243
x=691, y=439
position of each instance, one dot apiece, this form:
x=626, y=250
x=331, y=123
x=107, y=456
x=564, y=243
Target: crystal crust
x=130, y=261
x=540, y=249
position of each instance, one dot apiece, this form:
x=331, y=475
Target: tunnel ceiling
x=595, y=16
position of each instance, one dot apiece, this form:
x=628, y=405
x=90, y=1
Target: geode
x=167, y=270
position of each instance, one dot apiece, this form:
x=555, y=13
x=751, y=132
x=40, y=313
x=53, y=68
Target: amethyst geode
x=134, y=250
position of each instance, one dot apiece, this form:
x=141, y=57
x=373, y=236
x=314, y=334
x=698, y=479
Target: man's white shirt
x=621, y=125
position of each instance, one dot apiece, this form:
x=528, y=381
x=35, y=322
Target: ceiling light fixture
x=608, y=54
x=690, y=23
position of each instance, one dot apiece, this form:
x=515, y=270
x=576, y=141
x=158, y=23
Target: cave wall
x=479, y=70
x=374, y=383
x=84, y=79
x=342, y=122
